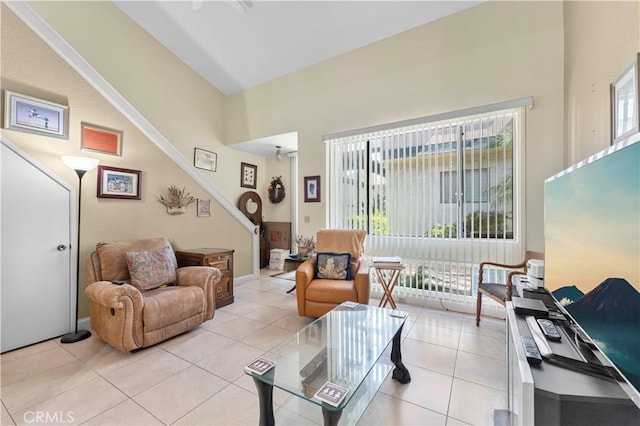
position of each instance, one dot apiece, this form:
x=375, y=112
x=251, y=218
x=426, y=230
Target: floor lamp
x=81, y=165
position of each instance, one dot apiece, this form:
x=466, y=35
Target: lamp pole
x=80, y=165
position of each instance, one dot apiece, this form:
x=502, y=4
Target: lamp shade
x=80, y=163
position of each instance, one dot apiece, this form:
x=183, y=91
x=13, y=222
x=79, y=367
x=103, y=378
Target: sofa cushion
x=333, y=266
x=113, y=264
x=329, y=291
x=166, y=306
x=151, y=269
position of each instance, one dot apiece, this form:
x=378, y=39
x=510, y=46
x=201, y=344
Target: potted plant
x=305, y=245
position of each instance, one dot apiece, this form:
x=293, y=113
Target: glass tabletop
x=341, y=347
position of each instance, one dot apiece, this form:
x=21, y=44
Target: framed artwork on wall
x=248, y=176
x=114, y=182
x=28, y=114
x=312, y=189
x=101, y=139
x=204, y=207
x=625, y=102
x=206, y=160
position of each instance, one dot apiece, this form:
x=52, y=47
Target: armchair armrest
x=110, y=295
x=304, y=275
x=501, y=265
x=205, y=277
x=509, y=282
x=504, y=265
x=362, y=285
x=116, y=314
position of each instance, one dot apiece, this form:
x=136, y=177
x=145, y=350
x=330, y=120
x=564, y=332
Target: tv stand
x=559, y=393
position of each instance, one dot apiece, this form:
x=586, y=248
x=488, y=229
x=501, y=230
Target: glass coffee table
x=344, y=347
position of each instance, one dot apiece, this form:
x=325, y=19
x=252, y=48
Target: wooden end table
x=388, y=282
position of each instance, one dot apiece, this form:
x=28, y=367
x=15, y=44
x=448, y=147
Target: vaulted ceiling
x=237, y=44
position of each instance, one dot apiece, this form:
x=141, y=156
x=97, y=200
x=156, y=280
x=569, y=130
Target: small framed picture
x=101, y=139
x=312, y=189
x=204, y=207
x=248, y=176
x=114, y=182
x=33, y=115
x=205, y=160
x=625, y=102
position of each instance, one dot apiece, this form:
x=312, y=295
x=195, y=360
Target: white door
x=36, y=288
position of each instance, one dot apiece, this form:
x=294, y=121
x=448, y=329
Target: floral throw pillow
x=334, y=266
x=151, y=269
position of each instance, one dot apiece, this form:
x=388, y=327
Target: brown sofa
x=128, y=318
x=315, y=296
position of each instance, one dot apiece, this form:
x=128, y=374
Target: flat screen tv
x=592, y=252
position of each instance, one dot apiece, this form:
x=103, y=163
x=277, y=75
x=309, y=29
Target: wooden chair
x=501, y=292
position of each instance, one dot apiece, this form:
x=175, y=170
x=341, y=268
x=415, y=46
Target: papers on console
x=386, y=261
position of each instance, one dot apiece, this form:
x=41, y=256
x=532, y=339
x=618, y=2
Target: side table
x=291, y=264
x=388, y=282
x=220, y=258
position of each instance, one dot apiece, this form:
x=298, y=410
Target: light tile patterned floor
x=458, y=372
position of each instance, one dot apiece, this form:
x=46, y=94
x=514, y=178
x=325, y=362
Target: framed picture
x=312, y=189
x=101, y=139
x=204, y=207
x=625, y=102
x=205, y=160
x=114, y=182
x=248, y=174
x=33, y=115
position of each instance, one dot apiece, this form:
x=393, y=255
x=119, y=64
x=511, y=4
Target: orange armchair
x=318, y=296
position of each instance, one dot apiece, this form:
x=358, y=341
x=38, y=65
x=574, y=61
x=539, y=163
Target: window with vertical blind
x=442, y=194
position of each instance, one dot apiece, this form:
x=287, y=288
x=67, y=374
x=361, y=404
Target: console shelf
x=554, y=394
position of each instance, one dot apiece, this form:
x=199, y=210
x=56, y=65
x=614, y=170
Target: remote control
x=531, y=350
x=583, y=337
x=549, y=330
x=557, y=316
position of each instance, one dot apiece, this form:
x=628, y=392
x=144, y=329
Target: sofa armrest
x=110, y=295
x=362, y=284
x=116, y=314
x=205, y=277
x=304, y=275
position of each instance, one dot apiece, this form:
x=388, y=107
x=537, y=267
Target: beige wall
x=30, y=67
x=186, y=109
x=280, y=212
x=490, y=53
x=600, y=39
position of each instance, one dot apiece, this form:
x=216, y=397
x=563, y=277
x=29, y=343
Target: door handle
x=61, y=247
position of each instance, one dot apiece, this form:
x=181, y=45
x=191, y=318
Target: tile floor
x=458, y=372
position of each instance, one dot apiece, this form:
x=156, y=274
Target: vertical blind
x=443, y=195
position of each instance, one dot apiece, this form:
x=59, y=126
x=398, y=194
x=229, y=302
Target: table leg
x=386, y=297
x=265, y=394
x=400, y=373
x=392, y=284
x=331, y=417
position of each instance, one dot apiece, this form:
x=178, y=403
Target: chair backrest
x=341, y=241
x=112, y=263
